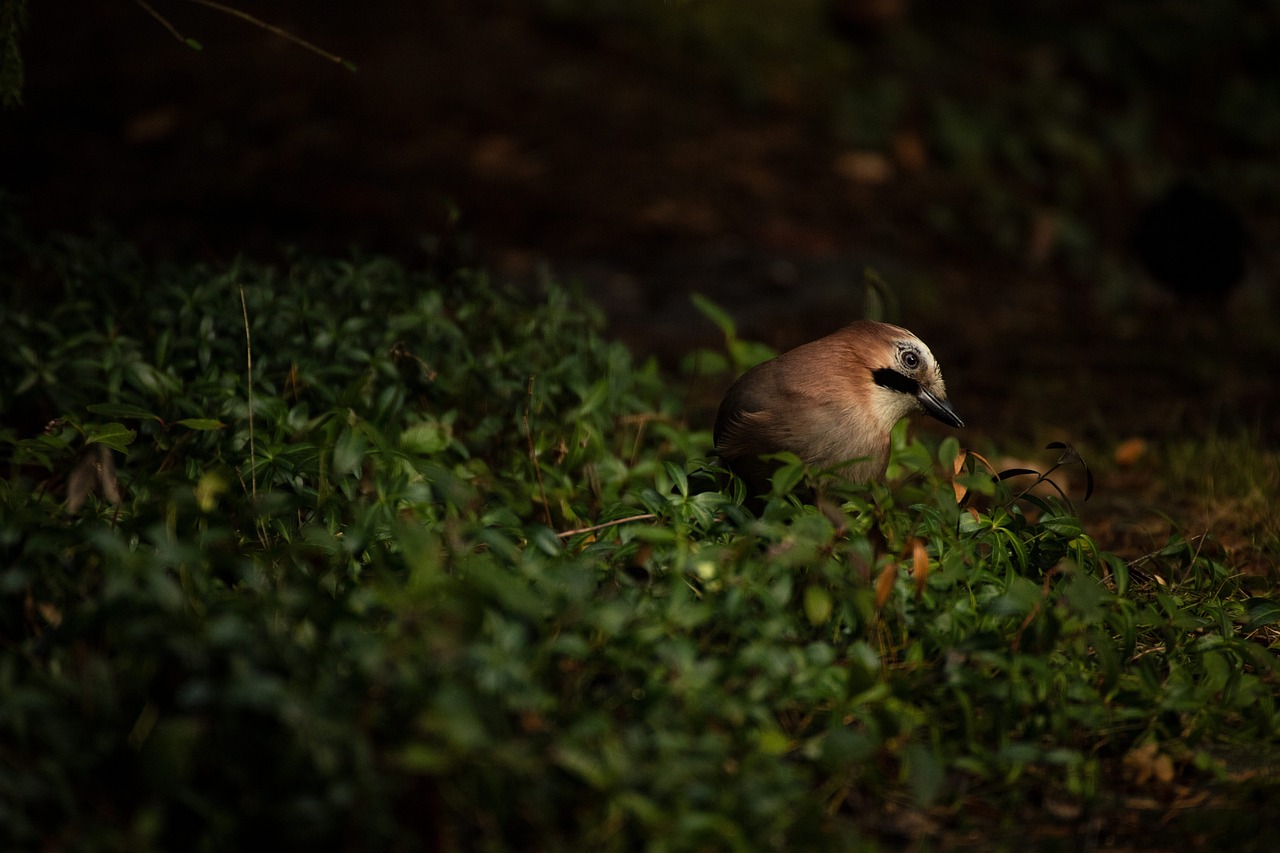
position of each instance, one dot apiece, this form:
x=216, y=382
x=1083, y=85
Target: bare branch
x=593, y=528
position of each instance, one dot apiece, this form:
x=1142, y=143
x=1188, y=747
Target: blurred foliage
x=13, y=19
x=457, y=578
x=1043, y=115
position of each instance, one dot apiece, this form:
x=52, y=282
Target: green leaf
x=202, y=424
x=817, y=605
x=747, y=354
x=948, y=449
x=1262, y=612
x=1119, y=572
x=715, y=314
x=925, y=774
x=773, y=742
x=789, y=475
x=1019, y=599
x=426, y=438
x=677, y=476
x=114, y=435
x=1064, y=525
x=122, y=410
x=583, y=763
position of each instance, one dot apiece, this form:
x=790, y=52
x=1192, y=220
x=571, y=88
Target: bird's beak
x=939, y=407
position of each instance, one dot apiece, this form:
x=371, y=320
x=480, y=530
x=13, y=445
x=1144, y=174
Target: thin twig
x=593, y=528
x=248, y=358
x=1137, y=561
x=271, y=28
x=163, y=21
x=533, y=455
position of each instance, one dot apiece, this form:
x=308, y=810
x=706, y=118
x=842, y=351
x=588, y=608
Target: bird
x=831, y=402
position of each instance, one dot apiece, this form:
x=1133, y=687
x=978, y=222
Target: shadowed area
x=1071, y=204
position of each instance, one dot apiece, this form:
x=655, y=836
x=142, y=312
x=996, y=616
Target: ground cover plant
x=356, y=556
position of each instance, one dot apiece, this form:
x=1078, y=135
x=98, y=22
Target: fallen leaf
x=1130, y=451
x=1147, y=763
x=1063, y=808
x=864, y=167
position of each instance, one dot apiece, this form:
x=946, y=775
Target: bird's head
x=904, y=374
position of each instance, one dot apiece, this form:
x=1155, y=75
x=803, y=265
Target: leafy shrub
x=355, y=556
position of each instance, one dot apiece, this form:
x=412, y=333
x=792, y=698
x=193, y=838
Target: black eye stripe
x=887, y=377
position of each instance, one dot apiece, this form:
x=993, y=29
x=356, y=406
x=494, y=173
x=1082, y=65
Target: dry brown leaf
x=864, y=167
x=1063, y=808
x=1147, y=763
x=919, y=565
x=986, y=462
x=884, y=584
x=961, y=490
x=1130, y=451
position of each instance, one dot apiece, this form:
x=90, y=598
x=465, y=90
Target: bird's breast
x=833, y=435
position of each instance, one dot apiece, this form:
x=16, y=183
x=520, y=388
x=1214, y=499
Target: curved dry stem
x=163, y=21
x=273, y=29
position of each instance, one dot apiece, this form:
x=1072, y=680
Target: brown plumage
x=832, y=402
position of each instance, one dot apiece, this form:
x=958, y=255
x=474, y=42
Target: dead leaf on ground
x=1130, y=451
x=864, y=167
x=1147, y=764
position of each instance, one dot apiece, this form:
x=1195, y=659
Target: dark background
x=992, y=164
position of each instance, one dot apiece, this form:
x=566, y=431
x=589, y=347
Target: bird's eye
x=910, y=359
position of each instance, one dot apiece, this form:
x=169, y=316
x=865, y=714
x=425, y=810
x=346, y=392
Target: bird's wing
x=739, y=433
